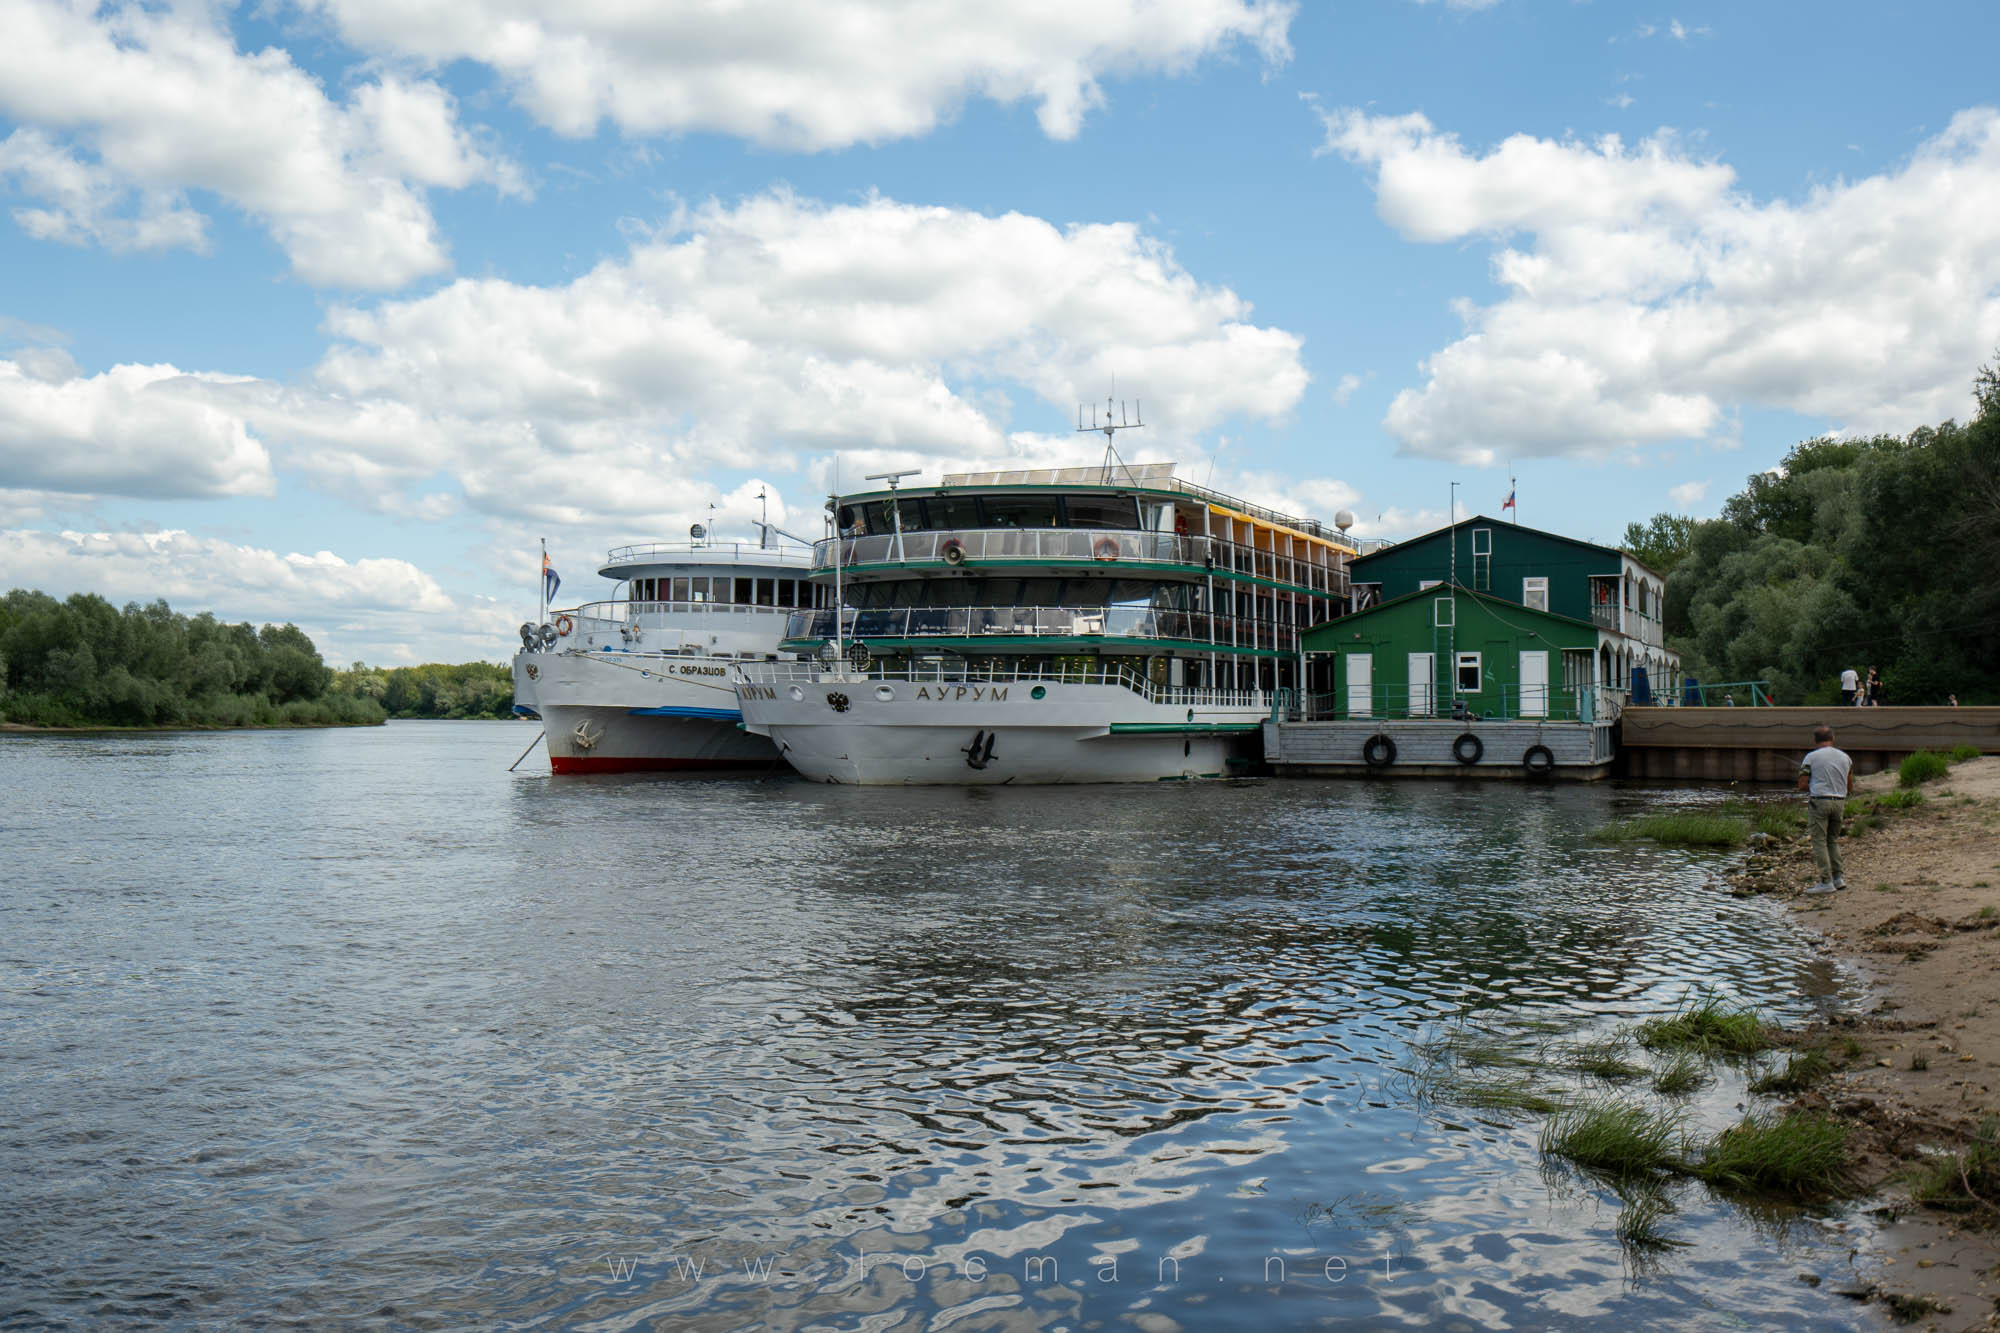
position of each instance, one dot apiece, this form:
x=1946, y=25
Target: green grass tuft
x=1961, y=753
x=1800, y=1155
x=1681, y=1075
x=1603, y=1059
x=1899, y=800
x=1616, y=1139
x=1639, y=1223
x=1707, y=1027
x=1801, y=1071
x=1922, y=767
x=1689, y=829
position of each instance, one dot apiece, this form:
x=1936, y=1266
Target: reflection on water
x=357, y=1027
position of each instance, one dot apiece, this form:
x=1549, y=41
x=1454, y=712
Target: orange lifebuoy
x=564, y=625
x=1106, y=549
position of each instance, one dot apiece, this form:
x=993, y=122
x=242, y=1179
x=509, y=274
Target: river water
x=358, y=1029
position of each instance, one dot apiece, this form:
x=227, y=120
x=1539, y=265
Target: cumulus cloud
x=1690, y=493
x=125, y=109
x=372, y=607
x=803, y=74
x=1646, y=295
x=762, y=335
x=152, y=431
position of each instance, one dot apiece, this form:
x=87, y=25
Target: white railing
x=811, y=673
x=1104, y=546
x=746, y=553
x=1061, y=622
x=622, y=612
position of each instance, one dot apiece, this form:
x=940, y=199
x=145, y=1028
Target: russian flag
x=1509, y=503
x=550, y=579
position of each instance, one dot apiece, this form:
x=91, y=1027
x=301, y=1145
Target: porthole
x=798, y=695
x=1039, y=692
x=884, y=693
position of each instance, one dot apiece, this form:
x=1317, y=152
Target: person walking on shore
x=1850, y=684
x=1874, y=688
x=1823, y=777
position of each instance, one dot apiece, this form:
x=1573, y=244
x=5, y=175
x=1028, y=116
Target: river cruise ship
x=645, y=680
x=1099, y=624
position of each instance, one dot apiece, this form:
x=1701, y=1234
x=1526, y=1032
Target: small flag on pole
x=1509, y=504
x=550, y=579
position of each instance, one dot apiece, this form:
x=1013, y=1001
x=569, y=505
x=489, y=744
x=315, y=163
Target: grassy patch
x=1899, y=800
x=1687, y=829
x=1961, y=753
x=1602, y=1059
x=1966, y=1180
x=1616, y=1139
x=1497, y=1095
x=1639, y=1223
x=1922, y=767
x=1908, y=1309
x=1799, y=1155
x=1801, y=1071
x=1681, y=1075
x=1707, y=1027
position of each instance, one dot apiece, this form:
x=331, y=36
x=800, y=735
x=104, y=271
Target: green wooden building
x=1606, y=590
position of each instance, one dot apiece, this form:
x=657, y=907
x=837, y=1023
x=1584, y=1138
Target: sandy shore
x=1920, y=919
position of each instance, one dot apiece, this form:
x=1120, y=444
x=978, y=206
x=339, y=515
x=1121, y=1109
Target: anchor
x=980, y=752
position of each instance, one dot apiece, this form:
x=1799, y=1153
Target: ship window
x=766, y=596
x=1040, y=592
x=1102, y=511
x=913, y=514
x=953, y=511
x=876, y=518
x=1020, y=511
x=1468, y=673
x=744, y=595
x=680, y=589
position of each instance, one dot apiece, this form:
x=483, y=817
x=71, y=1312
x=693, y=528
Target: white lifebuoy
x=564, y=625
x=1106, y=549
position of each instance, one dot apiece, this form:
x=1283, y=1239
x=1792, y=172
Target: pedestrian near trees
x=1823, y=775
x=1850, y=684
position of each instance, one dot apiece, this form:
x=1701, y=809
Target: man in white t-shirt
x=1823, y=775
x=1850, y=683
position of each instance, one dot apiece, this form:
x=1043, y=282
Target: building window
x=1468, y=673
x=1482, y=559
x=1443, y=613
x=1535, y=594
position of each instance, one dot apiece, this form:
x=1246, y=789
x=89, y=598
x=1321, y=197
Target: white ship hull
x=616, y=712
x=849, y=728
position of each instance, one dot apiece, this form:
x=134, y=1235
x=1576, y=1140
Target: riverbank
x=29, y=729
x=1920, y=919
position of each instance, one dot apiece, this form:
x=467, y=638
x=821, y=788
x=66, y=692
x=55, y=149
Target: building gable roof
x=1436, y=589
x=1360, y=562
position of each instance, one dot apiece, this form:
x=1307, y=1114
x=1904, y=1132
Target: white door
x=1535, y=684
x=1423, y=684
x=1360, y=684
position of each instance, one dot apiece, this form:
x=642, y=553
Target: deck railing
x=1062, y=622
x=1498, y=703
x=722, y=553
x=1104, y=546
x=1093, y=673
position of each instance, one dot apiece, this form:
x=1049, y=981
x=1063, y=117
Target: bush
x=1922, y=767
x=1961, y=753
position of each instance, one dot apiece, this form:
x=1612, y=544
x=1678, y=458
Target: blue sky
x=328, y=312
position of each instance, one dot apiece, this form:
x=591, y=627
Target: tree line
x=1879, y=552
x=81, y=662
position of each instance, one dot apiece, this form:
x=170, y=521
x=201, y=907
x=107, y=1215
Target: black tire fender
x=1539, y=760
x=1378, y=751
x=1468, y=749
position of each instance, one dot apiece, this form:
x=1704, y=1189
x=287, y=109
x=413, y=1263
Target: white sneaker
x=1821, y=888
x=1839, y=883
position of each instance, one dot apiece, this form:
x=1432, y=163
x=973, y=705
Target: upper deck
x=652, y=558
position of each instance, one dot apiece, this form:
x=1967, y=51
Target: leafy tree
x=1662, y=542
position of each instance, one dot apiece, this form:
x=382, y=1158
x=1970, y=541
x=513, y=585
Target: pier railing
x=1509, y=703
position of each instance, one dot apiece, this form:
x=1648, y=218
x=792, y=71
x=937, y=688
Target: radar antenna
x=1113, y=423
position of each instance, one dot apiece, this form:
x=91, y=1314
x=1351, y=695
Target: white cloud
x=1689, y=493
x=125, y=109
x=1646, y=297
x=134, y=430
x=369, y=608
x=1465, y=6
x=1348, y=384
x=764, y=335
x=803, y=74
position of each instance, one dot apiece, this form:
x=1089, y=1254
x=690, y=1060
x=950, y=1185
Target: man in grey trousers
x=1823, y=778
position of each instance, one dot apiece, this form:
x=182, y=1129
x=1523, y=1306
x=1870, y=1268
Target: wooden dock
x=1425, y=748
x=1766, y=744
